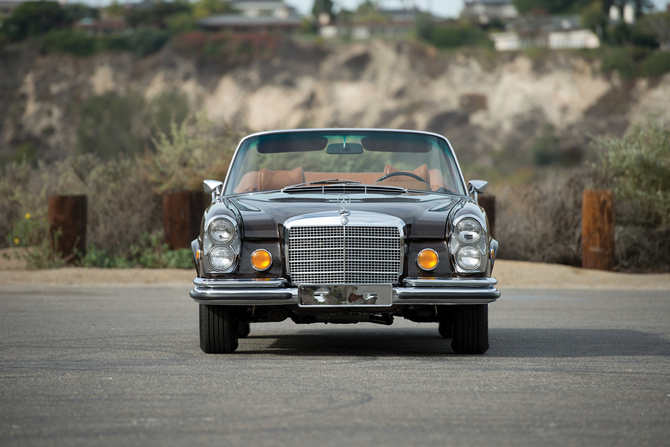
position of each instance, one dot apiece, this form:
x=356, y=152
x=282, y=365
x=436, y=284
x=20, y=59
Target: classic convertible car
x=344, y=226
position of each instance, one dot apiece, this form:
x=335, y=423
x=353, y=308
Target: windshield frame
x=448, y=147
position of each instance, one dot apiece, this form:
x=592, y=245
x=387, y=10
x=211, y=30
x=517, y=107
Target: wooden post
x=598, y=229
x=182, y=212
x=67, y=226
x=489, y=205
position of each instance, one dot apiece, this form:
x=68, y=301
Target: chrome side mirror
x=477, y=187
x=213, y=187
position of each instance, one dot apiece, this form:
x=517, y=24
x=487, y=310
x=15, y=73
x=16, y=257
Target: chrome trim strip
x=450, y=282
x=215, y=283
x=253, y=292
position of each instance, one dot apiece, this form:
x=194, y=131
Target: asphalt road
x=121, y=366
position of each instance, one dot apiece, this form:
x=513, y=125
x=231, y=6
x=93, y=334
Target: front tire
x=218, y=329
x=471, y=329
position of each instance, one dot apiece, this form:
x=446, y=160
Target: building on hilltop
x=483, y=11
x=544, y=31
x=264, y=8
x=255, y=16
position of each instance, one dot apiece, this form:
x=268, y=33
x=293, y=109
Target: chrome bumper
x=274, y=292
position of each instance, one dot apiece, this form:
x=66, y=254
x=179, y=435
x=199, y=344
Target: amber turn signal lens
x=428, y=259
x=261, y=260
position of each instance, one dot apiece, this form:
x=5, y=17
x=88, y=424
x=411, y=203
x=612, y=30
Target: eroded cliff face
x=485, y=109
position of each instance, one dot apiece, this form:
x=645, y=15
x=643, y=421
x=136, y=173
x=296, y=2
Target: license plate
x=345, y=295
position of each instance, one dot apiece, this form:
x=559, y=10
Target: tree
x=659, y=26
x=640, y=5
x=31, y=19
x=551, y=6
x=206, y=8
x=323, y=7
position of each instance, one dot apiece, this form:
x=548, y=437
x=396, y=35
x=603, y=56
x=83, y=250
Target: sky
x=440, y=8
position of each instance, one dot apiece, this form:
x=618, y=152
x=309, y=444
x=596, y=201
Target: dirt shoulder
x=510, y=274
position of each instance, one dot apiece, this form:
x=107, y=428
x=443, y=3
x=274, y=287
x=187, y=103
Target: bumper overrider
x=414, y=291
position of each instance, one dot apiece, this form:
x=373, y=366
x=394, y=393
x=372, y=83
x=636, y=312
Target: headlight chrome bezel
x=210, y=244
x=462, y=240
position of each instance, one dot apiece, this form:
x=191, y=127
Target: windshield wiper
x=330, y=181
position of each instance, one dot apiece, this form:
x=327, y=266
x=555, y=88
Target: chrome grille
x=344, y=254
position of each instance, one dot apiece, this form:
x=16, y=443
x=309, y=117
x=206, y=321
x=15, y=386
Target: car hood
x=425, y=214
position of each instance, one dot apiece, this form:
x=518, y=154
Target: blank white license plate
x=345, y=295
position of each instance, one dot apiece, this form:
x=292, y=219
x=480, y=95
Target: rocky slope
x=488, y=109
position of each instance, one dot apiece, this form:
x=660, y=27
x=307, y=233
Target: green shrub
x=34, y=18
x=619, y=60
x=657, y=64
x=193, y=151
x=637, y=168
x=69, y=41
x=31, y=232
x=149, y=252
x=112, y=125
x=458, y=36
x=146, y=41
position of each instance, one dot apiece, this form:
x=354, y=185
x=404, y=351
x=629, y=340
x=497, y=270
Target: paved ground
x=120, y=365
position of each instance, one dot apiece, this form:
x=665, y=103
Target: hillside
x=489, y=109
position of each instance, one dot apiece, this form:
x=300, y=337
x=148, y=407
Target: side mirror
x=477, y=187
x=213, y=187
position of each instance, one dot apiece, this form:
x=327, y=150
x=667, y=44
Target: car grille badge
x=344, y=200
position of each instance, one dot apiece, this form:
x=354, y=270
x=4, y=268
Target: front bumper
x=414, y=291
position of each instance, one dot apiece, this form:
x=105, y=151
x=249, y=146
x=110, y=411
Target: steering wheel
x=395, y=174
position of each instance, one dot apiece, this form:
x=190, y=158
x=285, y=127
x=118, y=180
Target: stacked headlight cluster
x=222, y=244
x=468, y=245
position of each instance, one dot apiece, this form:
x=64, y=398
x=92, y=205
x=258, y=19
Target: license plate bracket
x=338, y=295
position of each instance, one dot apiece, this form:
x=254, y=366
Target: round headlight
x=428, y=259
x=221, y=258
x=468, y=231
x=221, y=230
x=469, y=258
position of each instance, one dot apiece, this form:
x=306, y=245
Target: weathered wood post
x=598, y=229
x=182, y=212
x=489, y=205
x=67, y=226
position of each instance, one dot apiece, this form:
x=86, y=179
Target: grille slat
x=345, y=255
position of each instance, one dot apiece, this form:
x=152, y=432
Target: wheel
x=446, y=329
x=471, y=329
x=446, y=321
x=243, y=329
x=218, y=329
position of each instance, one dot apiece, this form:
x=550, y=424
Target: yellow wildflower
x=16, y=241
x=27, y=215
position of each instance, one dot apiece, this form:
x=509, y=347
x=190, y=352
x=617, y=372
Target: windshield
x=403, y=159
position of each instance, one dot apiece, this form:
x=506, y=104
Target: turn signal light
x=428, y=259
x=261, y=260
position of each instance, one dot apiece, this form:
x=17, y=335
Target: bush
x=542, y=222
x=112, y=125
x=34, y=18
x=150, y=252
x=657, y=64
x=458, y=36
x=619, y=60
x=146, y=41
x=194, y=151
x=637, y=168
x=69, y=41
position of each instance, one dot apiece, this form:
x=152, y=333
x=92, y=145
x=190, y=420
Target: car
x=344, y=226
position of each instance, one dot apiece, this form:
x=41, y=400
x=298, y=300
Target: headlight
x=468, y=231
x=221, y=257
x=221, y=230
x=468, y=245
x=468, y=257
